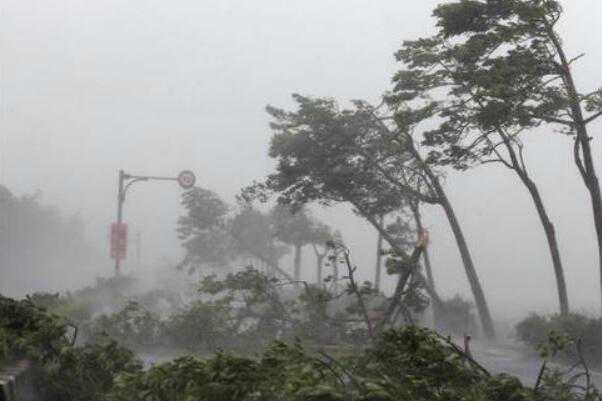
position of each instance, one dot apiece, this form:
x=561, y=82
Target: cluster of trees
x=215, y=235
x=35, y=239
x=493, y=71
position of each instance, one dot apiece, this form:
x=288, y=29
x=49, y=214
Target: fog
x=156, y=87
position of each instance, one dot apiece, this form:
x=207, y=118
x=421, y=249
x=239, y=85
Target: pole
x=186, y=179
x=120, y=199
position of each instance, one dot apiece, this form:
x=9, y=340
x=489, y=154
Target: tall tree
x=506, y=68
x=402, y=165
x=330, y=155
x=294, y=228
x=321, y=235
x=204, y=230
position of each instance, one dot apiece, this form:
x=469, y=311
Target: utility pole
x=186, y=179
x=120, y=200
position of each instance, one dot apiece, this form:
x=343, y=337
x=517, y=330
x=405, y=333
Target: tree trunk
x=420, y=228
x=427, y=261
x=584, y=161
x=473, y=279
x=297, y=263
x=588, y=173
x=379, y=257
x=403, y=278
x=518, y=165
x=471, y=273
x=550, y=232
x=319, y=265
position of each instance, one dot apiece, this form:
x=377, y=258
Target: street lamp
x=186, y=179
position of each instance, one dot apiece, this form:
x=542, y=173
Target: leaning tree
x=504, y=69
x=329, y=155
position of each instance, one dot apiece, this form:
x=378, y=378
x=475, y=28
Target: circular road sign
x=186, y=179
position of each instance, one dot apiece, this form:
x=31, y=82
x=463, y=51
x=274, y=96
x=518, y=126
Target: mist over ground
x=156, y=87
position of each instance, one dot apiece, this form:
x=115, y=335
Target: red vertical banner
x=119, y=240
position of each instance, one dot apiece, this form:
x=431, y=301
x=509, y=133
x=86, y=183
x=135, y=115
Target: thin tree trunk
x=319, y=264
x=297, y=263
x=319, y=267
x=471, y=273
x=582, y=150
x=379, y=256
x=420, y=228
x=517, y=164
x=403, y=278
x=548, y=226
x=473, y=279
x=427, y=262
x=433, y=182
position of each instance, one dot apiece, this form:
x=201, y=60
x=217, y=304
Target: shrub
x=535, y=331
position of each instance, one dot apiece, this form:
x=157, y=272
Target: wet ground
x=515, y=360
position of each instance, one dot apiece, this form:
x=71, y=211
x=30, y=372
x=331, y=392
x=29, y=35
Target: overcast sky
x=155, y=87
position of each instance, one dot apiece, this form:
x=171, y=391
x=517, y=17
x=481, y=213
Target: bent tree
x=329, y=155
x=413, y=170
x=512, y=64
x=477, y=127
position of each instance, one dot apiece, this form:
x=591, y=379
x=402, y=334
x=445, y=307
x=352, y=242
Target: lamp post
x=186, y=179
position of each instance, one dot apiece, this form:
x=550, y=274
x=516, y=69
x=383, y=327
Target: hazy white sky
x=155, y=87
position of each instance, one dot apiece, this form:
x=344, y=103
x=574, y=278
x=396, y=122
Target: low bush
x=536, y=331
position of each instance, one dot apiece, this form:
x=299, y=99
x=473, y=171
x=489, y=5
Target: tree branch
x=592, y=118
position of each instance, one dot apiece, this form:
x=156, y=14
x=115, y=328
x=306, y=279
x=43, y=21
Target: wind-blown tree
x=401, y=164
x=504, y=69
x=330, y=155
x=214, y=237
x=205, y=230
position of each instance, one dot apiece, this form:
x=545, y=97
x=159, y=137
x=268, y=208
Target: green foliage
x=557, y=335
x=462, y=73
x=409, y=363
x=212, y=237
x=204, y=229
x=254, y=236
x=330, y=155
x=202, y=327
x=26, y=331
x=295, y=228
x=77, y=309
x=87, y=373
x=132, y=326
x=62, y=372
x=412, y=363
